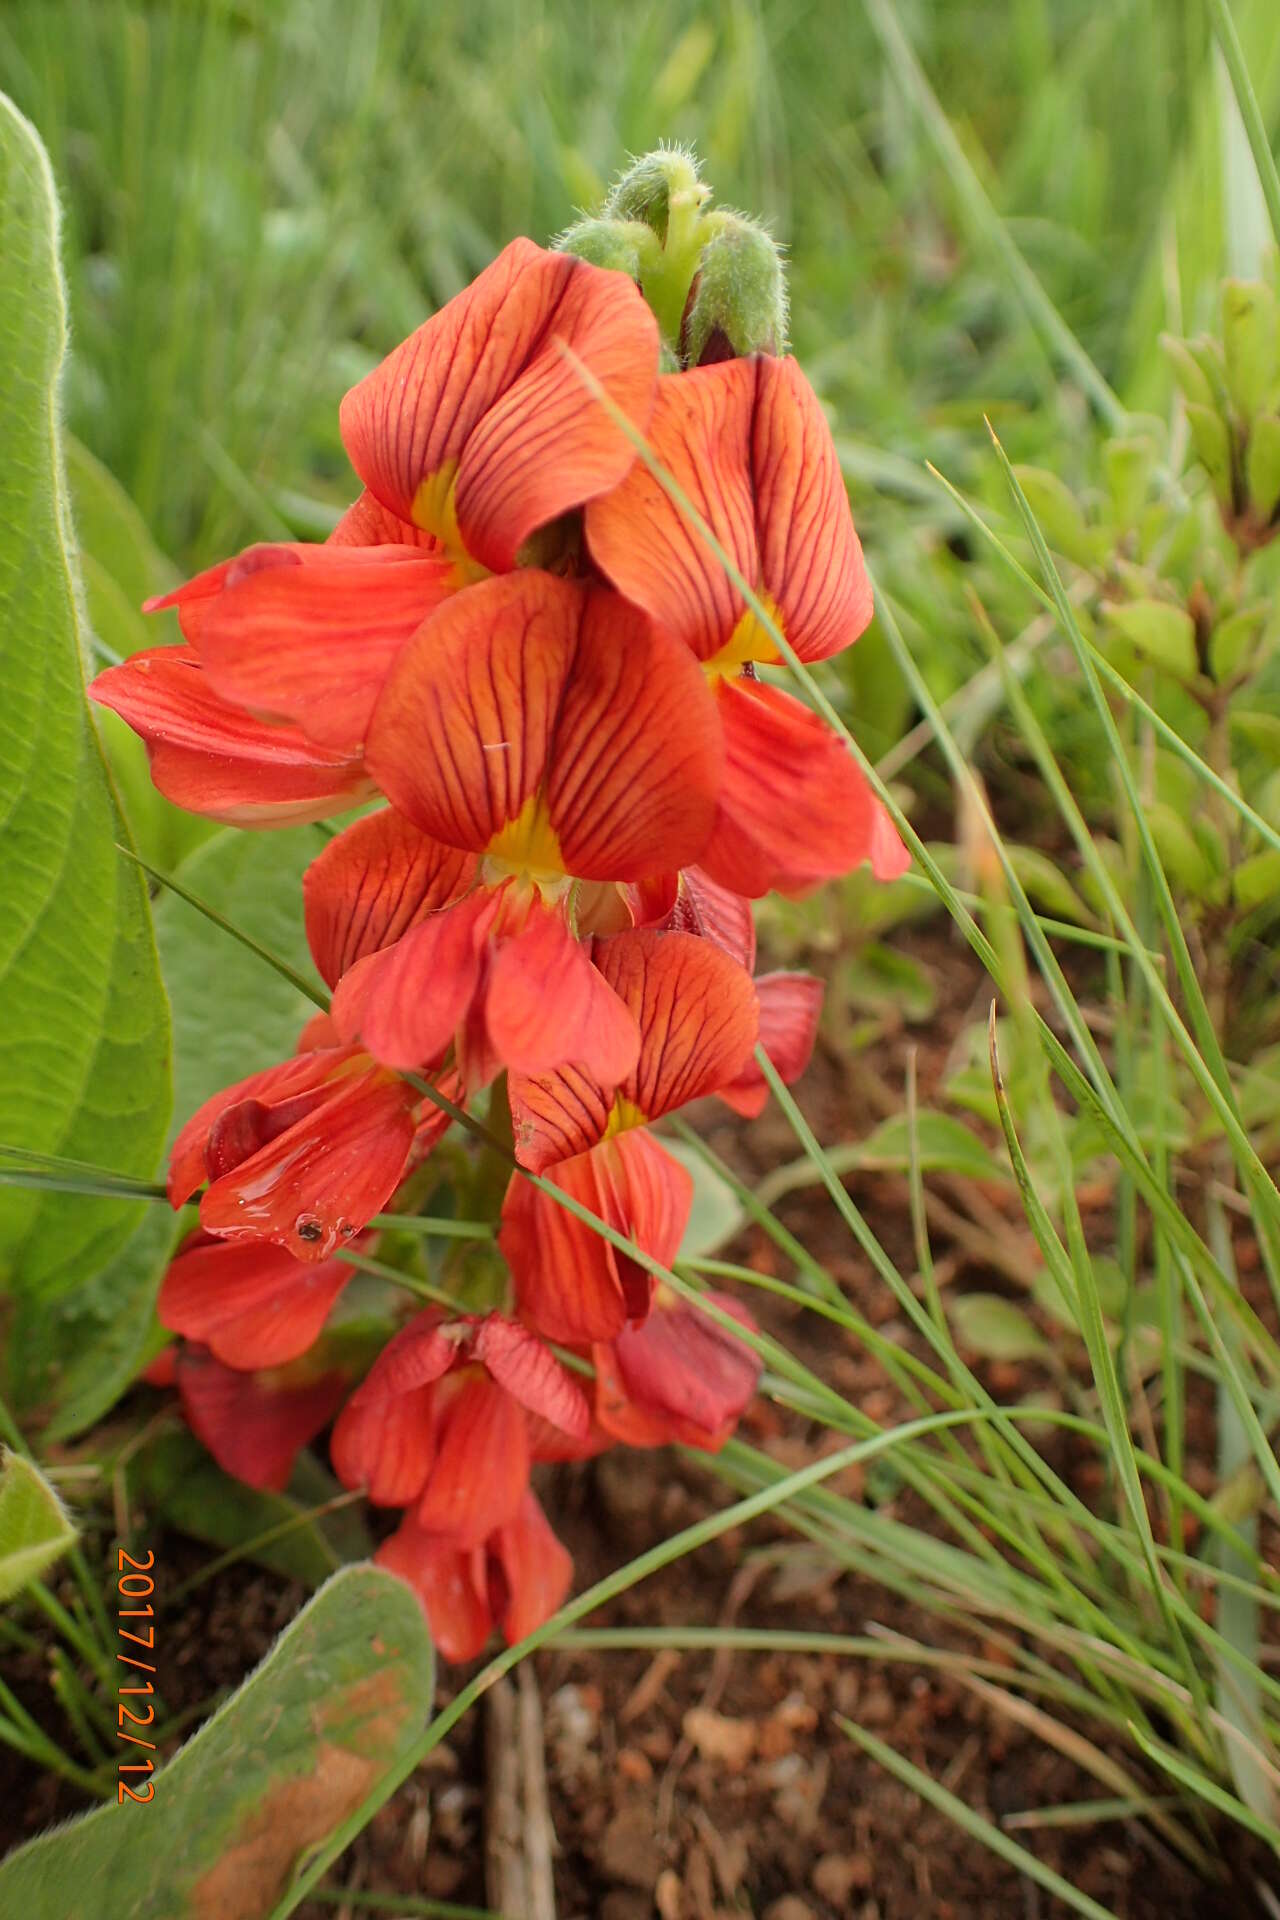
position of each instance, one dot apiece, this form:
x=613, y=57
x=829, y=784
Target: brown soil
x=694, y=1787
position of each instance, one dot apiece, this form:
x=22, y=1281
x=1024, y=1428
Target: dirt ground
x=696, y=1787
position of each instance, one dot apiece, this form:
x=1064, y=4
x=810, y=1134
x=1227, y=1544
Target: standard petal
x=535, y=1571
x=790, y=1006
x=696, y=1009
x=546, y=1004
x=214, y=758
x=450, y=1585
x=701, y=433
x=461, y=734
x=314, y=1186
x=479, y=427
x=555, y=1116
x=749, y=445
x=254, y=1426
x=407, y=1002
x=795, y=808
x=481, y=1468
x=313, y=643
x=252, y=1305
x=371, y=884
x=811, y=561
x=636, y=760
x=531, y=1374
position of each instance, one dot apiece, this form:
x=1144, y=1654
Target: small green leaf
x=1212, y=441
x=34, y=1528
x=335, y=1705
x=1047, y=886
x=1233, y=640
x=1260, y=730
x=1263, y=464
x=943, y=1144
x=1187, y=371
x=1181, y=855
x=1256, y=881
x=1250, y=335
x=1059, y=514
x=882, y=980
x=1161, y=631
x=995, y=1329
x=1128, y=465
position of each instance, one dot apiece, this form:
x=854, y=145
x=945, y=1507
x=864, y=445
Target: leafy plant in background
x=1136, y=1614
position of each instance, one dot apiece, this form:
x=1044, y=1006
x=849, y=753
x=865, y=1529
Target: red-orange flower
x=573, y=742
x=480, y=431
x=515, y=1580
x=302, y=1154
x=696, y=1011
x=747, y=442
x=439, y=1422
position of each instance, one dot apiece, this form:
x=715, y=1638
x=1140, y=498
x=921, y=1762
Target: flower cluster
x=519, y=642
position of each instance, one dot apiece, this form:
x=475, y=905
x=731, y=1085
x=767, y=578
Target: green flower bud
x=738, y=300
x=651, y=186
x=625, y=246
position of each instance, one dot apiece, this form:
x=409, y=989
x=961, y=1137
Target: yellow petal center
x=623, y=1115
x=527, y=849
x=435, y=510
x=750, y=641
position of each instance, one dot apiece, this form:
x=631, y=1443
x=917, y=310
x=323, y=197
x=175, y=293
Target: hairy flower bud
x=738, y=300
x=651, y=186
x=626, y=246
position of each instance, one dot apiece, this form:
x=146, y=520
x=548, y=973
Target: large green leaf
x=34, y=1528
x=108, y=1328
x=84, y=1041
x=335, y=1704
x=232, y=1013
